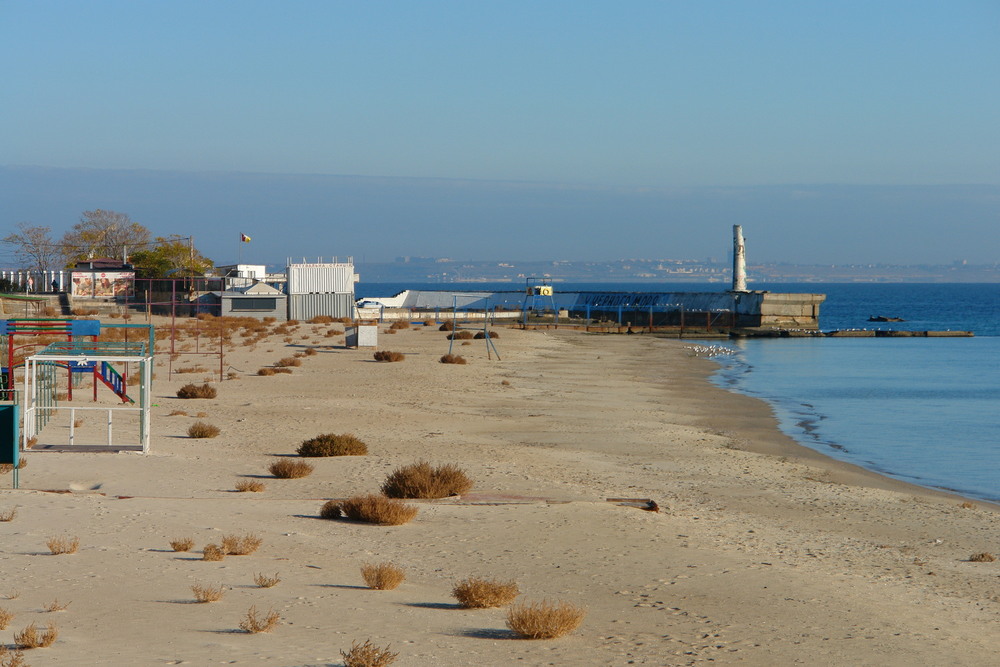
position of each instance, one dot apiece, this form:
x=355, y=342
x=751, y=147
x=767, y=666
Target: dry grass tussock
x=32, y=637
x=202, y=430
x=386, y=355
x=421, y=480
x=250, y=486
x=183, y=544
x=367, y=655
x=264, y=581
x=492, y=334
x=544, y=620
x=288, y=361
x=212, y=552
x=447, y=326
x=207, y=593
x=282, y=369
x=241, y=545
x=461, y=335
x=63, y=545
x=191, y=369
x=452, y=359
x=333, y=444
x=476, y=593
x=400, y=324
x=266, y=371
x=254, y=622
x=287, y=469
x=197, y=391
x=968, y=505
x=56, y=605
x=22, y=462
x=6, y=616
x=178, y=413
x=370, y=508
x=984, y=557
x=8, y=515
x=321, y=319
x=382, y=576
x=10, y=658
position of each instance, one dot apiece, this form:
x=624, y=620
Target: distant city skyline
x=834, y=132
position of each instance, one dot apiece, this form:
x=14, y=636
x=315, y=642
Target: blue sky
x=637, y=98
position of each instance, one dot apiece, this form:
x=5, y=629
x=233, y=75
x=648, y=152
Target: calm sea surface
x=925, y=410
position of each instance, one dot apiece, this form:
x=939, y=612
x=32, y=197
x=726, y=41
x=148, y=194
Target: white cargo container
x=322, y=278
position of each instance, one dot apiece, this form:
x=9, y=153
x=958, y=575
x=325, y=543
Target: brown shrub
x=461, y=335
x=212, y=552
x=63, y=545
x=6, y=616
x=377, y=509
x=8, y=515
x=967, y=505
x=386, y=355
x=544, y=620
x=178, y=413
x=390, y=331
x=330, y=510
x=288, y=469
x=202, y=430
x=56, y=605
x=984, y=557
x=447, y=326
x=288, y=361
x=241, y=545
x=250, y=485
x=367, y=655
x=195, y=391
x=429, y=322
x=321, y=319
x=282, y=369
x=266, y=371
x=207, y=593
x=30, y=637
x=183, y=544
x=492, y=334
x=382, y=576
x=253, y=623
x=452, y=359
x=333, y=444
x=420, y=480
x=264, y=581
x=476, y=593
x=309, y=351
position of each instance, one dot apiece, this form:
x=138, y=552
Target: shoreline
x=764, y=551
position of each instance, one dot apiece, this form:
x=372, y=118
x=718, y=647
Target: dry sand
x=763, y=553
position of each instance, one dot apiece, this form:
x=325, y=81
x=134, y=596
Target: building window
x=255, y=303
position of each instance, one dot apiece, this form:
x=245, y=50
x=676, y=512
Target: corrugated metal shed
x=308, y=306
x=321, y=278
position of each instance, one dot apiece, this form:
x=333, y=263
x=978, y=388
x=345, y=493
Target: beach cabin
x=258, y=301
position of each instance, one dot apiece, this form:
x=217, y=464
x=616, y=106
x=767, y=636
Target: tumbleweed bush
x=420, y=480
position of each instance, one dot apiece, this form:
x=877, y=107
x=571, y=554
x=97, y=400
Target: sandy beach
x=762, y=553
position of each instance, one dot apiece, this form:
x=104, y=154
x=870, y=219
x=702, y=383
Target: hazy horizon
x=849, y=132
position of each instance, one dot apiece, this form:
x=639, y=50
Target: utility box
x=364, y=335
x=9, y=439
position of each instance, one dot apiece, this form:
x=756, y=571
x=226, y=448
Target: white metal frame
x=29, y=397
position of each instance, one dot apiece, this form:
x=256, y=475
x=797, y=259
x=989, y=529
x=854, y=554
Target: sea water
x=924, y=410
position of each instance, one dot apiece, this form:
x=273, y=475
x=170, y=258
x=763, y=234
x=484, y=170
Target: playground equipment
x=486, y=334
x=77, y=358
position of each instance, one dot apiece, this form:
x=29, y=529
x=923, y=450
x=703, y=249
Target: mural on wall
x=100, y=284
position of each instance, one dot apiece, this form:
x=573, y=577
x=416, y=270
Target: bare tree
x=104, y=234
x=34, y=247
